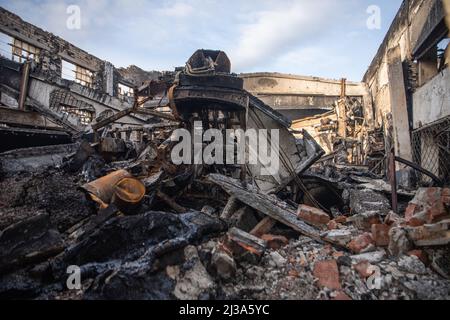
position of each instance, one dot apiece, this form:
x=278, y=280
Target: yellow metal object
x=104, y=187
x=128, y=194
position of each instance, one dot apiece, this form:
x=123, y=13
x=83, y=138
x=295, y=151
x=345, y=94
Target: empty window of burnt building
x=430, y=54
x=125, y=91
x=77, y=73
x=18, y=50
x=431, y=126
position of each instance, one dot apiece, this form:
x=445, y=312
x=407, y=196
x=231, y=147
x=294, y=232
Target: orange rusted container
x=128, y=195
x=104, y=187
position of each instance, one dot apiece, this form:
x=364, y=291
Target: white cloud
x=177, y=10
x=309, y=61
x=290, y=36
x=280, y=28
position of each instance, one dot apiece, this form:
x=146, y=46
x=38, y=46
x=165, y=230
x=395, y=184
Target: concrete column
x=109, y=78
x=397, y=90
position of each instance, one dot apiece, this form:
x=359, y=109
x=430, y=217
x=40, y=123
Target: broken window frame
x=427, y=55
x=23, y=51
x=19, y=50
x=124, y=91
x=86, y=116
x=77, y=73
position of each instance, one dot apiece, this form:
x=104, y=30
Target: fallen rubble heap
x=136, y=226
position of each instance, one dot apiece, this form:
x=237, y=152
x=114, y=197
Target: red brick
x=428, y=206
x=445, y=196
x=313, y=216
x=446, y=200
x=327, y=249
x=338, y=254
x=416, y=222
x=410, y=211
x=275, y=242
x=294, y=273
x=332, y=225
x=363, y=269
x=341, y=219
x=422, y=255
x=328, y=274
x=360, y=243
x=380, y=234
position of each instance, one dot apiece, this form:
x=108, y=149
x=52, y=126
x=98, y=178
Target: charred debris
x=136, y=226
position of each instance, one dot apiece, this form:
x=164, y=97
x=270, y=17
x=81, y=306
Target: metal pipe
x=393, y=180
x=439, y=182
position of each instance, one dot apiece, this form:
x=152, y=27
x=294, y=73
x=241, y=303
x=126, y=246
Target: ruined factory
x=121, y=183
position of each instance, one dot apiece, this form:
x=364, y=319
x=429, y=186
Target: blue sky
x=324, y=38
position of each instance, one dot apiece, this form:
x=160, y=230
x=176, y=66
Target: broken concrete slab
x=223, y=264
x=340, y=237
x=365, y=202
x=437, y=234
x=371, y=257
x=193, y=281
x=399, y=243
x=277, y=259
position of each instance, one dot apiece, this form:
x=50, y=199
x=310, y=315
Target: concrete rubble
x=337, y=221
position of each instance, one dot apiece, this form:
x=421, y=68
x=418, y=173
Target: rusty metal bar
x=393, y=180
x=155, y=113
x=439, y=182
x=24, y=84
x=113, y=118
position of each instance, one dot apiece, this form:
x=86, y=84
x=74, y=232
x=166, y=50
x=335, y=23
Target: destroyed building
x=362, y=184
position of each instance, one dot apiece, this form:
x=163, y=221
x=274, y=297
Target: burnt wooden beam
x=247, y=241
x=154, y=113
x=268, y=205
x=18, y=117
x=231, y=206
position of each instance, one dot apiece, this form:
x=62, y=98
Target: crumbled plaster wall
x=53, y=48
x=284, y=91
x=413, y=21
x=135, y=76
x=411, y=26
x=432, y=100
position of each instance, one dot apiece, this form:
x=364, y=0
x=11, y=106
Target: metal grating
x=431, y=150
